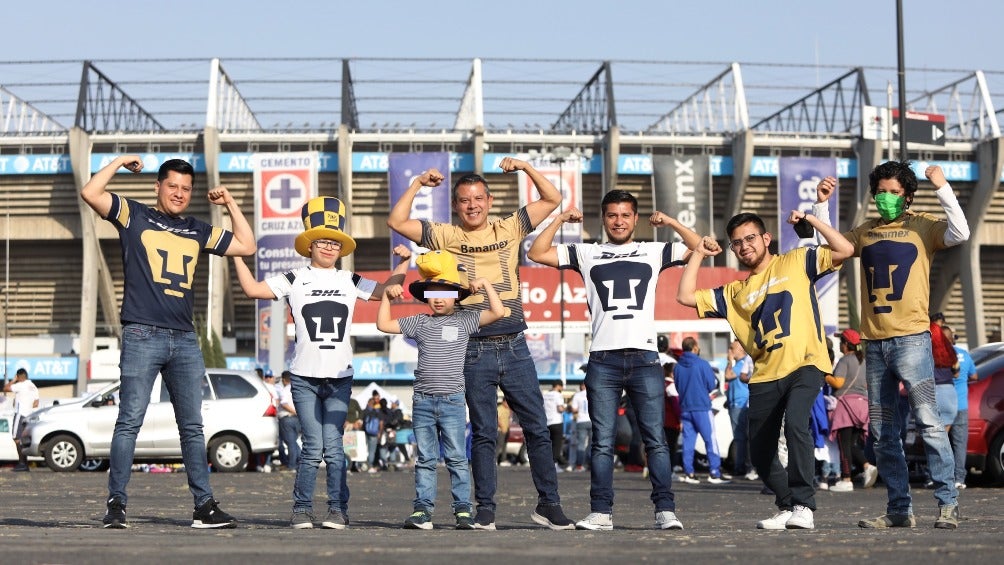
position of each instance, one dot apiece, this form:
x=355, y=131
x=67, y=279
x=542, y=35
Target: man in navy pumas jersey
x=160, y=249
x=620, y=278
x=497, y=355
x=896, y=250
x=775, y=315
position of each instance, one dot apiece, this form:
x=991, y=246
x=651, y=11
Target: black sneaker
x=550, y=515
x=485, y=520
x=115, y=516
x=419, y=520
x=209, y=515
x=464, y=520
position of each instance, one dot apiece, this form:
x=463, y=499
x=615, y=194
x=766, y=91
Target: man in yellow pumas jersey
x=497, y=355
x=896, y=251
x=775, y=315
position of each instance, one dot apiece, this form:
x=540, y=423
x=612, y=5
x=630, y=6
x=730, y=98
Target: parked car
x=985, y=451
x=8, y=449
x=237, y=413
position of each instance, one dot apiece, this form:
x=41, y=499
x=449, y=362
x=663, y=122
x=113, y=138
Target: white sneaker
x=597, y=521
x=666, y=520
x=801, y=519
x=871, y=475
x=752, y=476
x=842, y=486
x=690, y=480
x=775, y=522
x=960, y=486
x=718, y=480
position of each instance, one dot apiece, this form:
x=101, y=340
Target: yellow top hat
x=324, y=218
x=438, y=267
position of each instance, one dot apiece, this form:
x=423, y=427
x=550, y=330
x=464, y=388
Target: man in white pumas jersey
x=620, y=278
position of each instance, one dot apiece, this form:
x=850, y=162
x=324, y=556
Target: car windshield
x=985, y=353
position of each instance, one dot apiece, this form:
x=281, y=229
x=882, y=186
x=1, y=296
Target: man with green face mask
x=896, y=252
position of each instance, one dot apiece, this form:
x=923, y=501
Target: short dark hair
x=615, y=196
x=470, y=179
x=689, y=343
x=177, y=165
x=743, y=218
x=899, y=170
x=21, y=371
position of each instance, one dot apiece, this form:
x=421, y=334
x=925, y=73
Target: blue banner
x=151, y=161
x=35, y=165
x=45, y=368
x=431, y=203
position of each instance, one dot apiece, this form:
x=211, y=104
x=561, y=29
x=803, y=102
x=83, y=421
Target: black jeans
x=558, y=443
x=790, y=400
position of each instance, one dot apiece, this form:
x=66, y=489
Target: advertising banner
x=682, y=190
x=567, y=178
x=431, y=203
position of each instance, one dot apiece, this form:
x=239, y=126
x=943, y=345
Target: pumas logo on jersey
x=325, y=322
x=326, y=293
x=772, y=320
x=621, y=287
x=172, y=260
x=887, y=267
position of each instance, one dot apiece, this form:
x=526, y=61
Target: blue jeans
x=948, y=403
x=289, y=432
x=740, y=437
x=908, y=359
x=435, y=418
x=321, y=406
x=583, y=435
x=175, y=354
x=638, y=372
x=958, y=436
x=506, y=364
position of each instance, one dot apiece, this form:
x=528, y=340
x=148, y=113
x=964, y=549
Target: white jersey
x=580, y=405
x=322, y=302
x=552, y=401
x=25, y=397
x=620, y=288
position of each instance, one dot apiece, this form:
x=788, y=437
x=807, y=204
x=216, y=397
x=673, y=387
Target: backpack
x=372, y=425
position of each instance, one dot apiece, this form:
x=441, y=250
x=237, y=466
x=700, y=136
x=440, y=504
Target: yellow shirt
x=895, y=273
x=775, y=314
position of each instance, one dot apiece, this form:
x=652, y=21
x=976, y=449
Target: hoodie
x=695, y=381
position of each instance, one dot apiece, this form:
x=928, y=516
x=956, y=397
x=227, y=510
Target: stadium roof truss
x=834, y=108
x=969, y=117
x=18, y=117
x=719, y=107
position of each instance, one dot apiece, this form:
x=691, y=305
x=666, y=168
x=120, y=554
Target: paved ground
x=55, y=518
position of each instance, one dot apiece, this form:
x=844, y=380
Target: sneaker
x=690, y=480
x=569, y=468
x=960, y=486
x=558, y=468
x=725, y=476
x=823, y=486
x=842, y=486
x=21, y=467
x=929, y=484
x=889, y=521
x=372, y=470
x=870, y=476
x=666, y=520
x=778, y=521
x=484, y=520
x=752, y=476
x=115, y=516
x=464, y=520
x=718, y=480
x=419, y=520
x=335, y=520
x=301, y=520
x=551, y=515
x=209, y=515
x=596, y=521
x=948, y=517
x=801, y=519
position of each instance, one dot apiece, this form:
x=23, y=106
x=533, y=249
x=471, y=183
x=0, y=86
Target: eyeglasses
x=326, y=244
x=749, y=239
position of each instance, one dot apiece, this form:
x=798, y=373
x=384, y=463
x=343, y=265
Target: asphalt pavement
x=56, y=518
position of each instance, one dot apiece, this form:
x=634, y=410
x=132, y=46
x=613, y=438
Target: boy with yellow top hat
x=438, y=406
x=321, y=302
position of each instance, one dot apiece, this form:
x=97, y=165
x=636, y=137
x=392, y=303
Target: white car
x=238, y=419
x=8, y=450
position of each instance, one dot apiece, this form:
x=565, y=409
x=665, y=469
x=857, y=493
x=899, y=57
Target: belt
x=497, y=338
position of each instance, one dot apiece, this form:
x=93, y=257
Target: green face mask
x=889, y=205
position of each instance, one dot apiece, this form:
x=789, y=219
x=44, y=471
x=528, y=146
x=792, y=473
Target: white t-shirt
x=285, y=397
x=552, y=400
x=620, y=288
x=580, y=404
x=322, y=302
x=25, y=397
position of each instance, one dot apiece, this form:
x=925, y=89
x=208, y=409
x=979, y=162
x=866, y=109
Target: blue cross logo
x=285, y=193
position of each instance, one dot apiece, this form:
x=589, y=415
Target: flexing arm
x=94, y=192
x=385, y=322
x=690, y=238
x=397, y=275
x=243, y=244
x=686, y=293
x=252, y=288
x=400, y=219
x=958, y=228
x=495, y=309
x=550, y=197
x=840, y=248
x=542, y=250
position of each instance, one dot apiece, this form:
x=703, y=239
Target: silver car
x=238, y=417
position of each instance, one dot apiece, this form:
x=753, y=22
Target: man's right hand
x=825, y=189
x=133, y=163
x=571, y=216
x=432, y=177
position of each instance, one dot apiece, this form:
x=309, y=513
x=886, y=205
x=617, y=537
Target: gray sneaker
x=889, y=521
x=667, y=520
x=301, y=520
x=948, y=517
x=335, y=520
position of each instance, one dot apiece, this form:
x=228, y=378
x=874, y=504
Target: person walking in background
x=958, y=435
x=583, y=429
x=896, y=250
x=695, y=382
x=738, y=371
x=672, y=424
x=160, y=248
x=439, y=415
x=773, y=314
x=289, y=424
x=25, y=402
x=321, y=299
x=373, y=425
x=849, y=419
x=554, y=409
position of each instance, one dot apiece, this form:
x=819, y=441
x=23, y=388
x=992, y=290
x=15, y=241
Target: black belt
x=497, y=338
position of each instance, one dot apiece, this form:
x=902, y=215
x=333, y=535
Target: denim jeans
x=788, y=400
x=506, y=364
x=289, y=432
x=175, y=354
x=583, y=435
x=443, y=418
x=740, y=438
x=638, y=372
x=958, y=436
x=908, y=359
x=321, y=405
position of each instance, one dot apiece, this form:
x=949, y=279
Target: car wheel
x=995, y=459
x=228, y=454
x=63, y=453
x=94, y=465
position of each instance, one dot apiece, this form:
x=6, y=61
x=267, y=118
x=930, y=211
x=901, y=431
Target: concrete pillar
x=611, y=155
x=742, y=162
x=218, y=285
x=345, y=183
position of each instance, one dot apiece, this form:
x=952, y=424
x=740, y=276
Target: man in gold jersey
x=774, y=313
x=497, y=356
x=896, y=251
